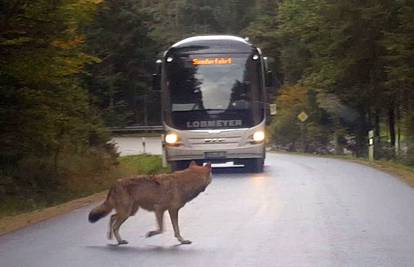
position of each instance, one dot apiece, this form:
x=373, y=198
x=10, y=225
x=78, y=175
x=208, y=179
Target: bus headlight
x=258, y=136
x=171, y=138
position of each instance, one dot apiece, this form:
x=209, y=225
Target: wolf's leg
x=174, y=221
x=111, y=223
x=159, y=214
x=119, y=221
x=134, y=209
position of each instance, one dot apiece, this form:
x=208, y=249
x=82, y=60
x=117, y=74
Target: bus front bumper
x=226, y=154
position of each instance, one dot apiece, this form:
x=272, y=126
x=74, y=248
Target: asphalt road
x=301, y=211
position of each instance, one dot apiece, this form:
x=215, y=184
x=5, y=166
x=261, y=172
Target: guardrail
x=137, y=128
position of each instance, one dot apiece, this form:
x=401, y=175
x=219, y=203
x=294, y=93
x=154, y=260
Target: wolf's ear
x=192, y=164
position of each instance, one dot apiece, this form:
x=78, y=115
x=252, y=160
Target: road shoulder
x=12, y=223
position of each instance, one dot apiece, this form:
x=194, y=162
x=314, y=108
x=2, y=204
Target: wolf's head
x=204, y=171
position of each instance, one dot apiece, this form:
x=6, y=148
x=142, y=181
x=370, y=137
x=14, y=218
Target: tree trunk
x=398, y=141
x=391, y=126
x=361, y=149
x=377, y=136
x=410, y=136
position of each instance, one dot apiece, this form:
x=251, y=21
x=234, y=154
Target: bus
x=213, y=101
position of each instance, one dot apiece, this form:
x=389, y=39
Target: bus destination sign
x=213, y=61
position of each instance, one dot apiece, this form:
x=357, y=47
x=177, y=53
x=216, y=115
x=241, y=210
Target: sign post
x=302, y=117
x=144, y=145
x=371, y=145
x=273, y=109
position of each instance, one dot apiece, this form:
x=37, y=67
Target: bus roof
x=210, y=38
x=212, y=44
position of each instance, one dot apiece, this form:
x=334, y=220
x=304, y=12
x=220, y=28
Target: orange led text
x=212, y=61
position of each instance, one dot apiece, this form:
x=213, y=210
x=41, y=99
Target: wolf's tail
x=101, y=210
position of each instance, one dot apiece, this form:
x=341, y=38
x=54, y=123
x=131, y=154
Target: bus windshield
x=214, y=91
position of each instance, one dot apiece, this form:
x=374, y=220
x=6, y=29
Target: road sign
x=303, y=116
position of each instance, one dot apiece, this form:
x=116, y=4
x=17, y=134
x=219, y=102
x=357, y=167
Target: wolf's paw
x=122, y=242
x=152, y=233
x=185, y=242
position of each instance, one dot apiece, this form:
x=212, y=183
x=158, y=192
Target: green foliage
x=142, y=164
x=357, y=57
x=399, y=59
x=291, y=133
x=45, y=113
x=127, y=36
x=215, y=16
x=263, y=31
x=120, y=38
x=94, y=166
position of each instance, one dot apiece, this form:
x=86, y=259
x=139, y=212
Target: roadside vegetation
x=349, y=66
x=82, y=180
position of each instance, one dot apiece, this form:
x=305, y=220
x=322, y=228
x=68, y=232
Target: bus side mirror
x=269, y=78
x=156, y=77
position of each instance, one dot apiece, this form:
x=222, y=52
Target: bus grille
x=214, y=141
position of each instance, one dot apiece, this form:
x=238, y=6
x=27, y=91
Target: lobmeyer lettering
x=214, y=123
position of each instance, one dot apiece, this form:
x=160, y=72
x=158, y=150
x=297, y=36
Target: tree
x=44, y=110
x=120, y=38
x=338, y=48
x=288, y=131
x=399, y=59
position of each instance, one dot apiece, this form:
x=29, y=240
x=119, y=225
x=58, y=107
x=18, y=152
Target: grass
x=79, y=185
x=141, y=164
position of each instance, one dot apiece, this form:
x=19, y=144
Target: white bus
x=213, y=101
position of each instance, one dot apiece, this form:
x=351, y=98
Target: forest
x=69, y=69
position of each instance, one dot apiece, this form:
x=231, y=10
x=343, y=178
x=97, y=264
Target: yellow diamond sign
x=303, y=116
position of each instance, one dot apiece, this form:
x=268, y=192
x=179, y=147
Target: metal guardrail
x=138, y=128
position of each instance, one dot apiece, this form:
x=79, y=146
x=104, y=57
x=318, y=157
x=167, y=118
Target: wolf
x=157, y=193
